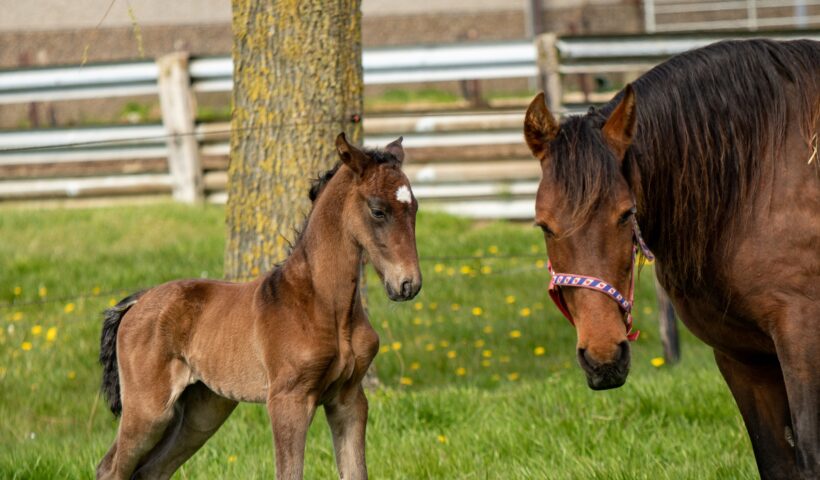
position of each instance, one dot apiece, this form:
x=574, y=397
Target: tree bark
x=297, y=84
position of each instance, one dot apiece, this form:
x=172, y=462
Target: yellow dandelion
x=418, y=305
x=430, y=347
x=513, y=376
x=51, y=334
x=486, y=269
x=95, y=291
x=26, y=346
x=461, y=371
x=492, y=249
x=69, y=307
x=417, y=321
x=415, y=366
x=487, y=329
x=504, y=359
x=539, y=351
x=231, y=458
x=455, y=307
x=384, y=349
x=441, y=439
x=478, y=253
x=477, y=311
x=525, y=312
x=479, y=343
x=509, y=299
x=487, y=353
x=486, y=363
x=112, y=302
x=539, y=264
x=534, y=248
x=17, y=316
x=515, y=334
x=465, y=270
x=495, y=377
x=43, y=291
x=657, y=362
x=438, y=268
x=452, y=354
x=71, y=375
x=36, y=330
x=395, y=345
x=406, y=381
x=432, y=306
x=385, y=324
x=444, y=344
x=451, y=271
x=647, y=310
x=18, y=291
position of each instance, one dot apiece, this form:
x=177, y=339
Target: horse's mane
x=710, y=124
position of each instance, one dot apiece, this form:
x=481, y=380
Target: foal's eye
x=626, y=216
x=377, y=214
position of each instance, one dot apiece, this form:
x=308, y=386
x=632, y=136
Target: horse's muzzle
x=603, y=376
x=407, y=290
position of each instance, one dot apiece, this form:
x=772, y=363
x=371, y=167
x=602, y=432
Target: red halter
x=594, y=283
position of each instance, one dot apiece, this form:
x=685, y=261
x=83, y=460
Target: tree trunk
x=297, y=84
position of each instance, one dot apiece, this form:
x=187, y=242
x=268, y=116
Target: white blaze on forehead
x=403, y=194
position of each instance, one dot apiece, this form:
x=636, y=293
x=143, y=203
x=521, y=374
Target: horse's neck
x=326, y=262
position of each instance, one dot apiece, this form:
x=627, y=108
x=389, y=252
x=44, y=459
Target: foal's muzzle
x=603, y=376
x=407, y=289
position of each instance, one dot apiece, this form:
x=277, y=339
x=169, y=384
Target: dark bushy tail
x=108, y=351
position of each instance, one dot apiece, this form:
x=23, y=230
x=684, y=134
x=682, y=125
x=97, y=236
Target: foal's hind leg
x=200, y=413
x=149, y=392
x=761, y=397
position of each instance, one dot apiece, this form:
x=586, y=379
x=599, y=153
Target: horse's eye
x=546, y=230
x=626, y=216
x=377, y=214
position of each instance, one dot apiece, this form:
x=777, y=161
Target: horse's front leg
x=290, y=414
x=347, y=417
x=797, y=341
x=761, y=397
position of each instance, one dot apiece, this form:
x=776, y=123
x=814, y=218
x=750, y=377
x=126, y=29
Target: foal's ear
x=354, y=158
x=621, y=125
x=540, y=127
x=394, y=148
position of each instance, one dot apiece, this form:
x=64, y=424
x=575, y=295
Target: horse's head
x=380, y=214
x=585, y=207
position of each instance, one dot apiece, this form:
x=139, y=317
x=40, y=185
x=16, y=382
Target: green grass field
x=478, y=373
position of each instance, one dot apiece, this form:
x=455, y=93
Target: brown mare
x=714, y=153
x=177, y=358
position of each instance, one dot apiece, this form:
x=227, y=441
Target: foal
x=177, y=358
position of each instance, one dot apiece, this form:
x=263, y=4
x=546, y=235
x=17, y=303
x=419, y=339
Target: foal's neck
x=327, y=260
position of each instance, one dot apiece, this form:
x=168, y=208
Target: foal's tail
x=108, y=351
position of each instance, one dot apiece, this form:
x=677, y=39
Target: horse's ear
x=540, y=127
x=394, y=148
x=620, y=127
x=350, y=155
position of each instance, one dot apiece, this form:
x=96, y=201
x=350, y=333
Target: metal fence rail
x=471, y=164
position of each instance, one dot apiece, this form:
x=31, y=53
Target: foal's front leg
x=290, y=414
x=347, y=417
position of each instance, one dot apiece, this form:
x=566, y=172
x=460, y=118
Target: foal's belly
x=232, y=374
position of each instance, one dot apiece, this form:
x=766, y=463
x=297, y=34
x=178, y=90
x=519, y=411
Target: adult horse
x=179, y=357
x=714, y=155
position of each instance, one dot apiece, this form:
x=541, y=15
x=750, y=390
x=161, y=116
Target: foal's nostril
x=406, y=288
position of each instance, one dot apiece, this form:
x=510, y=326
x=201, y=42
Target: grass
x=509, y=402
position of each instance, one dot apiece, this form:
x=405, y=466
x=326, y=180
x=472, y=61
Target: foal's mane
x=710, y=124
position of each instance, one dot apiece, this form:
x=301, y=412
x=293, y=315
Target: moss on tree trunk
x=297, y=84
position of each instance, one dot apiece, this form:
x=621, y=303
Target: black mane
x=710, y=123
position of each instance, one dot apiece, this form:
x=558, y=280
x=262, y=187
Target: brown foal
x=177, y=358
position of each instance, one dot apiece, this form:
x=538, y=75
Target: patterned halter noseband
x=559, y=280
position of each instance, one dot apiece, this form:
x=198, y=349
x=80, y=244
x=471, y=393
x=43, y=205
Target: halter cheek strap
x=559, y=280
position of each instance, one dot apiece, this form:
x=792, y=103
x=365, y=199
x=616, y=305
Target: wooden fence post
x=178, y=105
x=549, y=76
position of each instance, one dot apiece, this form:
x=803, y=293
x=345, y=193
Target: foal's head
x=585, y=208
x=379, y=212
